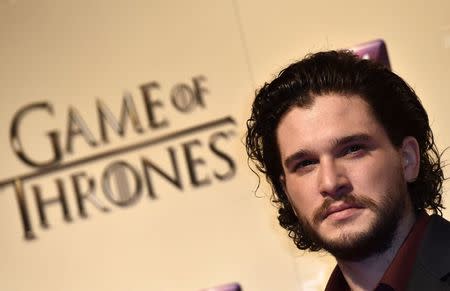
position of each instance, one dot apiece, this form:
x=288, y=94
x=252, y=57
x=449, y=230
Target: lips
x=339, y=207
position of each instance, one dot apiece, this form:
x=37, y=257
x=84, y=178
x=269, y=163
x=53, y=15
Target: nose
x=332, y=179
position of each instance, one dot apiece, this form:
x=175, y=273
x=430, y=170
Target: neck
x=365, y=274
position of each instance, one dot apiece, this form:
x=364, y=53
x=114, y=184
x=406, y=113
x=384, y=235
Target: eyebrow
x=338, y=142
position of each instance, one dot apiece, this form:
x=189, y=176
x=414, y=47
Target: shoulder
x=435, y=244
x=437, y=232
x=432, y=264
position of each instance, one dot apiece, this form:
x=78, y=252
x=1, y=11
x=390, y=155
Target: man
x=347, y=148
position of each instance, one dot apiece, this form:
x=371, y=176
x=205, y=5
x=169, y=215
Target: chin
x=358, y=238
x=353, y=243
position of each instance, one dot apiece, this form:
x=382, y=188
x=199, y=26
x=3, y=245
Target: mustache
x=352, y=199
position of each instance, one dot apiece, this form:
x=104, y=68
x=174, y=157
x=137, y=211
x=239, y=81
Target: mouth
x=341, y=211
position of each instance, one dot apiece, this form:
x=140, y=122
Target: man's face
x=343, y=177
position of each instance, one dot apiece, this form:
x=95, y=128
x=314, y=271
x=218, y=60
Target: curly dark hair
x=392, y=101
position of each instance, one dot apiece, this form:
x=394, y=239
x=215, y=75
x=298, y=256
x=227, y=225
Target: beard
x=375, y=239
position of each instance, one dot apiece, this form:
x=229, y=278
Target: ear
x=283, y=184
x=411, y=158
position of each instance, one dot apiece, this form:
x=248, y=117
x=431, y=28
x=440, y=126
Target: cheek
x=301, y=194
x=379, y=177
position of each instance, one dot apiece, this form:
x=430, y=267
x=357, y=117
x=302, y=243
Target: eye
x=353, y=149
x=303, y=165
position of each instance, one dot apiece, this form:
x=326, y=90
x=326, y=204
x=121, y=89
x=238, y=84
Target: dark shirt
x=397, y=274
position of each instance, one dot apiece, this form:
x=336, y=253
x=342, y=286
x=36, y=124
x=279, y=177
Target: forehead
x=328, y=118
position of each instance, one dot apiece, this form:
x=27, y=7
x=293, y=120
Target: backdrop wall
x=121, y=128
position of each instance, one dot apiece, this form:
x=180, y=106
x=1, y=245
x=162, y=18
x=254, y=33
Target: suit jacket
x=431, y=270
